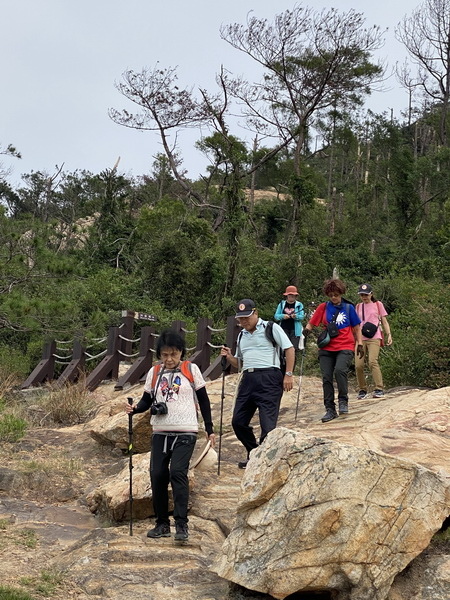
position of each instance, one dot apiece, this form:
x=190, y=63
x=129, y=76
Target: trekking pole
x=130, y=453
x=223, y=362
x=300, y=379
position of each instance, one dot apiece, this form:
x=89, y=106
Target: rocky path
x=45, y=524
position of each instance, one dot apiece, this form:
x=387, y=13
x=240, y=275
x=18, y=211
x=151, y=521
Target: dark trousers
x=169, y=462
x=334, y=364
x=294, y=339
x=262, y=391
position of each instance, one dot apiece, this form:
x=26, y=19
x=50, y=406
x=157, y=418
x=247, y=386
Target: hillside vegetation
x=361, y=194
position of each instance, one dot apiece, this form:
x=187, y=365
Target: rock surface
x=318, y=515
x=111, y=499
x=110, y=427
x=427, y=578
x=407, y=423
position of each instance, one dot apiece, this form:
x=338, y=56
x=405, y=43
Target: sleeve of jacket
x=299, y=312
x=144, y=403
x=278, y=316
x=205, y=409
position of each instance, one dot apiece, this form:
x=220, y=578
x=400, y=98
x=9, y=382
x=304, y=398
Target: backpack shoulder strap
x=268, y=330
x=186, y=370
x=238, y=342
x=378, y=310
x=156, y=370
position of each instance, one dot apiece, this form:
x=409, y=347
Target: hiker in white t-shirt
x=172, y=391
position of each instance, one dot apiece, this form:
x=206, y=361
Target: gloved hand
x=305, y=333
x=360, y=351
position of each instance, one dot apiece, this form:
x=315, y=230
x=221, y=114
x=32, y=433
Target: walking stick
x=300, y=379
x=223, y=362
x=130, y=453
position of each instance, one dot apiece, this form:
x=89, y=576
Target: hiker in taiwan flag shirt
x=336, y=356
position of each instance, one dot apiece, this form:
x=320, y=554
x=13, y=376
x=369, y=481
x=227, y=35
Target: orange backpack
x=185, y=368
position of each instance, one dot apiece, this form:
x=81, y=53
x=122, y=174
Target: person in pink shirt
x=372, y=312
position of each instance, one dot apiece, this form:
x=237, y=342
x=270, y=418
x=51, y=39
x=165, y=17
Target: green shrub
x=9, y=593
x=44, y=585
x=12, y=428
x=419, y=314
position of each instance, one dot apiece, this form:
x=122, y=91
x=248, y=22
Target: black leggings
x=169, y=462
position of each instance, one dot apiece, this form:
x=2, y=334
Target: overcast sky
x=60, y=60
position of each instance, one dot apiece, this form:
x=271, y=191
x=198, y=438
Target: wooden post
x=72, y=372
x=202, y=354
x=214, y=371
x=44, y=371
x=142, y=364
x=179, y=327
x=108, y=368
x=126, y=332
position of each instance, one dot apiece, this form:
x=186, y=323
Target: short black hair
x=170, y=339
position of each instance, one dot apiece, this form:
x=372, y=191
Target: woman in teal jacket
x=290, y=314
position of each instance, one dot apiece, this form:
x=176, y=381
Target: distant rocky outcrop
x=318, y=515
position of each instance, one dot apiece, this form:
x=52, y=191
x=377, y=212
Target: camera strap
x=158, y=381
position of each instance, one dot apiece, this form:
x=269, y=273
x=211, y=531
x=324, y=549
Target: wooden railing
x=119, y=350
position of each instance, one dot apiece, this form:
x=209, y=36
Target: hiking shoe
x=182, y=532
x=161, y=530
x=361, y=394
x=243, y=464
x=329, y=415
x=378, y=394
x=343, y=407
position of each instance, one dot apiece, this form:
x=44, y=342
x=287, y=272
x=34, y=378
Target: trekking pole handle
x=130, y=419
x=224, y=363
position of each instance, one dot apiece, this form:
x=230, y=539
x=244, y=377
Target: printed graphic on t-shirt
x=288, y=325
x=342, y=320
x=169, y=391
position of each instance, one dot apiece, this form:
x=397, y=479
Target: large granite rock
x=321, y=515
x=111, y=498
x=110, y=427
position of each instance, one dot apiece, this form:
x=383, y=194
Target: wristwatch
x=288, y=373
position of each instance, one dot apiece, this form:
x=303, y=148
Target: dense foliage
x=372, y=202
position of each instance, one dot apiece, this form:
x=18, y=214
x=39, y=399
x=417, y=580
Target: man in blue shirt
x=262, y=382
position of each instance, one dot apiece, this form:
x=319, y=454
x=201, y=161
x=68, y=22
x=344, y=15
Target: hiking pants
x=334, y=364
x=259, y=390
x=169, y=462
x=371, y=351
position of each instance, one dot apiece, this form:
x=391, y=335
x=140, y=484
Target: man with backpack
x=262, y=381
